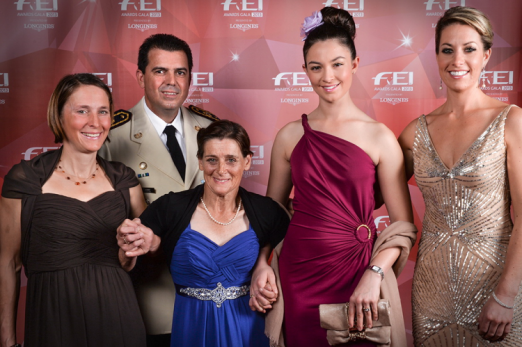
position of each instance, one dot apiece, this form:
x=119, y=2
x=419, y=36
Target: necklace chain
x=68, y=176
x=215, y=220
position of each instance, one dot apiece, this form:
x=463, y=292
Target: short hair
x=65, y=88
x=165, y=42
x=224, y=129
x=337, y=24
x=466, y=16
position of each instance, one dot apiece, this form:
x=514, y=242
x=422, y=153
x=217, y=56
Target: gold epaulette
x=203, y=113
x=121, y=117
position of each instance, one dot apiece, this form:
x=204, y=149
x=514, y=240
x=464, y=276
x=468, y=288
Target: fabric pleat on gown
x=198, y=262
x=465, y=235
x=77, y=292
x=324, y=255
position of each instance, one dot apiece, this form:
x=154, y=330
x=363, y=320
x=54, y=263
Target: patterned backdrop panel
x=247, y=67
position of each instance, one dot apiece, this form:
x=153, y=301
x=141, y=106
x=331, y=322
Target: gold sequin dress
x=465, y=235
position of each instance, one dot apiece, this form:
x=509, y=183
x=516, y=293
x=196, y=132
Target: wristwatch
x=377, y=269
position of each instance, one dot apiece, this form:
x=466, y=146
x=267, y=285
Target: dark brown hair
x=466, y=16
x=224, y=129
x=65, y=88
x=166, y=42
x=338, y=24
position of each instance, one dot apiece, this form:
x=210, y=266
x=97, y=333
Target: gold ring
x=125, y=240
x=367, y=227
x=252, y=295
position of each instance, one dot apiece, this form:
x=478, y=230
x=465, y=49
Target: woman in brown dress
x=58, y=217
x=466, y=157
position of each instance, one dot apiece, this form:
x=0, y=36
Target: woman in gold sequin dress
x=467, y=159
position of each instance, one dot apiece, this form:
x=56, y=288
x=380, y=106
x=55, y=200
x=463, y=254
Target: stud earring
x=440, y=85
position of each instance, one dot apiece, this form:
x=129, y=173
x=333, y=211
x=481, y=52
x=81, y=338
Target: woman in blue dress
x=216, y=235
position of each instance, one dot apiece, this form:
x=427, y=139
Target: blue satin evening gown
x=198, y=262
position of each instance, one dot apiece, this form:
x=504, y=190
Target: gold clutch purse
x=334, y=318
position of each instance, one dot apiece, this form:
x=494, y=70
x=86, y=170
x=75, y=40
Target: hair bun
x=339, y=18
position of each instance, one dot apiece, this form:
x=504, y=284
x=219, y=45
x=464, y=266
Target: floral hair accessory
x=310, y=23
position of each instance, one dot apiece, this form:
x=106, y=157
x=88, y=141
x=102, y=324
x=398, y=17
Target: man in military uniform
x=157, y=139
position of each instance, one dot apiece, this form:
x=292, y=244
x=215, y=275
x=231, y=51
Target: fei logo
x=497, y=80
x=447, y=4
x=37, y=5
x=106, y=77
x=294, y=81
x=395, y=81
x=203, y=81
x=382, y=222
x=4, y=82
x=259, y=155
x=245, y=5
x=143, y=4
x=351, y=6
x=35, y=151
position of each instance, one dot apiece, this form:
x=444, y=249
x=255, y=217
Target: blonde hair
x=467, y=16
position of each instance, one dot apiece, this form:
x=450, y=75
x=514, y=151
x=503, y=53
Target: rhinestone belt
x=219, y=295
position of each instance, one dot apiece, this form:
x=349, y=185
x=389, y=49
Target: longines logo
x=355, y=7
x=395, y=81
x=4, y=83
x=441, y=5
x=250, y=173
x=294, y=101
x=140, y=8
x=197, y=101
x=259, y=155
x=142, y=27
x=202, y=82
x=34, y=151
x=244, y=27
x=497, y=80
x=246, y=8
x=393, y=101
x=106, y=77
x=293, y=81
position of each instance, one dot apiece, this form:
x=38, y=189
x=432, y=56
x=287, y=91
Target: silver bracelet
x=500, y=302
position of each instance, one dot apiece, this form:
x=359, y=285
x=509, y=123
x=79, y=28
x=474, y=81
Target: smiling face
x=166, y=82
x=461, y=57
x=223, y=166
x=86, y=119
x=330, y=69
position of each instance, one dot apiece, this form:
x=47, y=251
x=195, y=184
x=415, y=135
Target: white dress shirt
x=159, y=124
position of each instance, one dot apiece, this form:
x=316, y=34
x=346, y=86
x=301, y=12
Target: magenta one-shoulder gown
x=324, y=256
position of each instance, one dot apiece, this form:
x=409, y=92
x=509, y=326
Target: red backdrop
x=247, y=67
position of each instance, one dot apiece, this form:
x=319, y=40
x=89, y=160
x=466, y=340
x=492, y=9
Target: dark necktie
x=175, y=150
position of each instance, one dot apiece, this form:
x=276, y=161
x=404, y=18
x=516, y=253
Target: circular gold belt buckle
x=367, y=227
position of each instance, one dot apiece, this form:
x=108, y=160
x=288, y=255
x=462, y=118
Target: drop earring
x=440, y=85
x=483, y=79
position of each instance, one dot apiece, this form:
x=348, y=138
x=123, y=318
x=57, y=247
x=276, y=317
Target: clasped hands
x=134, y=238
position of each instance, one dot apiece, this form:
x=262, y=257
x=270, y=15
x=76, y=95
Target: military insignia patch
x=203, y=113
x=121, y=117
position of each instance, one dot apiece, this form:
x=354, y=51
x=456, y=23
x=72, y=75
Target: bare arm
x=138, y=205
x=392, y=180
x=406, y=142
x=495, y=320
x=280, y=180
x=10, y=267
